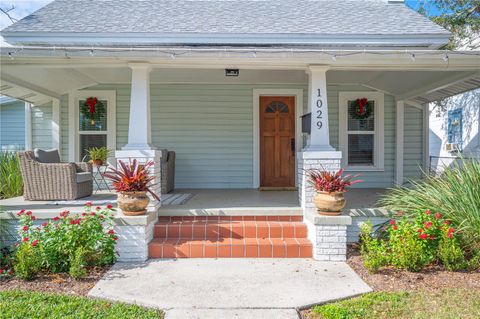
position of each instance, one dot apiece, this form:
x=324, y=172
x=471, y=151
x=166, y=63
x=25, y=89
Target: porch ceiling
x=39, y=83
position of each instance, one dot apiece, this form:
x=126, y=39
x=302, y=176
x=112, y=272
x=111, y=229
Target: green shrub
x=77, y=265
x=373, y=250
x=82, y=240
x=11, y=184
x=27, y=263
x=450, y=253
x=456, y=193
x=414, y=241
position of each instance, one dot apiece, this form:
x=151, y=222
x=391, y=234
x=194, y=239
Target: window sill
x=363, y=169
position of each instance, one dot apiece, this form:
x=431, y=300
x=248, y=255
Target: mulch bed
x=433, y=278
x=57, y=283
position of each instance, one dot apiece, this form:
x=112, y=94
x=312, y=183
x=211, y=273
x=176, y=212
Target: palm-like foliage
x=455, y=194
x=11, y=184
x=133, y=177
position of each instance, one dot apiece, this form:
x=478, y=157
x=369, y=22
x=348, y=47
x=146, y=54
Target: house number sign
x=319, y=110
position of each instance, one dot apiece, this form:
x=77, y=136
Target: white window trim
x=73, y=119
x=257, y=93
x=379, y=139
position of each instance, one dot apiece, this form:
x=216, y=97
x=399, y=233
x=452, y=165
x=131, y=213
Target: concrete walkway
x=230, y=288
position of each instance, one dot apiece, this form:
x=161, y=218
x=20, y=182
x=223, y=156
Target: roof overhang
x=430, y=41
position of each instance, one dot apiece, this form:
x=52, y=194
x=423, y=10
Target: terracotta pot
x=133, y=203
x=98, y=162
x=330, y=204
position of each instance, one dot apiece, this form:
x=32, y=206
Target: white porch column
x=328, y=234
x=318, y=104
x=139, y=126
x=28, y=126
x=400, y=120
x=139, y=129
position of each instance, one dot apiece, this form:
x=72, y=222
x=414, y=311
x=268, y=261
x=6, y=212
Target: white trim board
x=379, y=146
x=257, y=93
x=73, y=139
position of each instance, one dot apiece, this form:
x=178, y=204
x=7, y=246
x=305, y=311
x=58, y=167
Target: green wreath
x=93, y=109
x=362, y=109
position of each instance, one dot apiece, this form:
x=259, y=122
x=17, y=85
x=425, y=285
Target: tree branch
x=7, y=13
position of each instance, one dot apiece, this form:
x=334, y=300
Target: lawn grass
x=445, y=304
x=25, y=304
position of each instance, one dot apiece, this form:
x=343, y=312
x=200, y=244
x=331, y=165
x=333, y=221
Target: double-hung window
x=455, y=129
x=361, y=130
x=93, y=120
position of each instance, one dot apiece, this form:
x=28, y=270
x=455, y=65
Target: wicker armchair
x=54, y=181
x=167, y=171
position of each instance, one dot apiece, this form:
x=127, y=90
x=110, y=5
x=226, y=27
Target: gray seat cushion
x=47, y=156
x=84, y=177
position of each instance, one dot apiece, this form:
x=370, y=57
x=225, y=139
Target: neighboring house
x=12, y=124
x=225, y=83
x=455, y=129
x=24, y=125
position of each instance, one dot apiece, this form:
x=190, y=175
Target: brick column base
x=328, y=235
x=134, y=233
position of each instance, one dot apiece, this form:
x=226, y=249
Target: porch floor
x=360, y=202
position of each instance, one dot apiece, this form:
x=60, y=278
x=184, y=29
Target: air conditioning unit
x=452, y=147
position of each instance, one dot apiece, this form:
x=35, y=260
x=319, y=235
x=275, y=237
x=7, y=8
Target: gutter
x=432, y=41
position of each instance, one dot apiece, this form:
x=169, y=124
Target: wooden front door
x=277, y=141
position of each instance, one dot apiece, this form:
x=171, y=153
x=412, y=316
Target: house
x=249, y=94
x=454, y=130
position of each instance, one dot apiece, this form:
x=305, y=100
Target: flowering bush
x=413, y=243
x=330, y=182
x=132, y=178
x=86, y=239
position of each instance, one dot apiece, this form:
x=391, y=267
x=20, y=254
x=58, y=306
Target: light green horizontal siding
x=209, y=126
x=42, y=126
x=12, y=126
x=413, y=143
x=371, y=179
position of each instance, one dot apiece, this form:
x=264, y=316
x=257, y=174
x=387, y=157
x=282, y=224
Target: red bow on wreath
x=361, y=103
x=91, y=103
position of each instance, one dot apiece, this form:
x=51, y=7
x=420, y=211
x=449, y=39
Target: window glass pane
x=360, y=149
x=91, y=140
x=356, y=124
x=92, y=118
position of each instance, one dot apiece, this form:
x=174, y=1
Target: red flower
x=419, y=230
x=395, y=227
x=44, y=224
x=428, y=212
x=29, y=213
x=438, y=215
x=35, y=242
x=88, y=204
x=422, y=236
x=84, y=214
x=92, y=213
x=392, y=222
x=21, y=212
x=109, y=206
x=115, y=238
x=111, y=232
x=56, y=218
x=447, y=222
x=102, y=217
x=451, y=230
x=428, y=225
x=25, y=228
x=25, y=239
x=33, y=218
x=64, y=213
x=450, y=235
x=98, y=208
x=72, y=222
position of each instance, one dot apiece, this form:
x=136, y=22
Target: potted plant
x=131, y=182
x=330, y=188
x=98, y=155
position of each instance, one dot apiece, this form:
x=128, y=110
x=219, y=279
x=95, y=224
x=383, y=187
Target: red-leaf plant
x=133, y=177
x=331, y=182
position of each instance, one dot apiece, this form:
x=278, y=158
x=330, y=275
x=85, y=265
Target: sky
x=25, y=7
